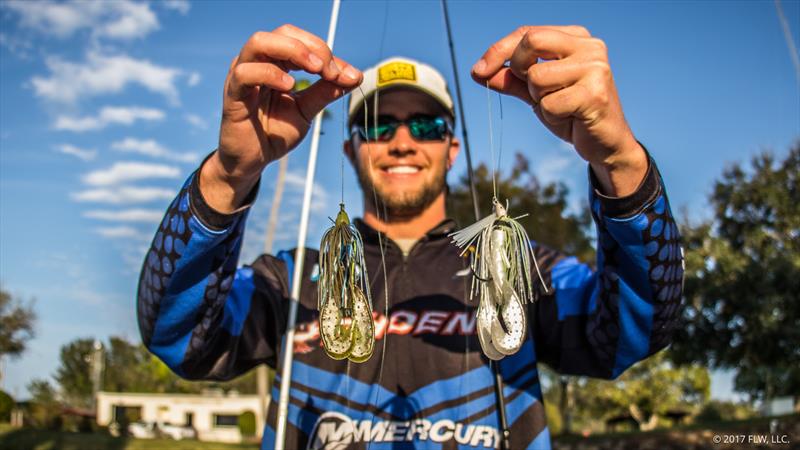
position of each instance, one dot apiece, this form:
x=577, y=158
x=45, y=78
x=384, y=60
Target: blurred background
x=107, y=107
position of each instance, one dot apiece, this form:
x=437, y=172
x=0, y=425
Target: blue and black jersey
x=428, y=385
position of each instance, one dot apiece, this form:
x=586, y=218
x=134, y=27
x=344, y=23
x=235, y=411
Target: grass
x=753, y=425
x=32, y=439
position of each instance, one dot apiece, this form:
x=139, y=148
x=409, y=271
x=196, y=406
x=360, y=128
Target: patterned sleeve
x=197, y=312
x=599, y=323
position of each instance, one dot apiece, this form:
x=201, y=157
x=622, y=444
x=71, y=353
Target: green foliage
x=129, y=368
x=247, y=423
x=44, y=407
x=6, y=405
x=554, y=420
x=74, y=373
x=646, y=391
x=548, y=221
x=742, y=283
x=36, y=439
x=717, y=411
x=16, y=324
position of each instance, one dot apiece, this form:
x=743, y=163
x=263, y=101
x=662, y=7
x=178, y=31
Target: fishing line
x=502, y=127
x=491, y=141
x=385, y=218
x=345, y=137
x=380, y=246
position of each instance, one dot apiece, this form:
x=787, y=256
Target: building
x=214, y=415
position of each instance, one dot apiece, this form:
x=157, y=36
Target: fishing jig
x=344, y=301
x=501, y=267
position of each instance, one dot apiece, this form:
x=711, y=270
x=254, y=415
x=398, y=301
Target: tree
x=44, y=408
x=74, y=374
x=16, y=324
x=742, y=282
x=128, y=367
x=646, y=391
x=548, y=222
x=6, y=405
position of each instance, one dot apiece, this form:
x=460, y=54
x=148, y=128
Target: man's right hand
x=262, y=119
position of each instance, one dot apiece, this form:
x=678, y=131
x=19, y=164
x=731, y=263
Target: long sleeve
x=599, y=323
x=201, y=315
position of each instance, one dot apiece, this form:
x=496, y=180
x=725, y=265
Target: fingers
x=249, y=75
x=563, y=104
x=317, y=47
x=313, y=99
x=544, y=44
x=267, y=57
x=507, y=83
x=349, y=76
x=501, y=51
x=265, y=46
x=547, y=77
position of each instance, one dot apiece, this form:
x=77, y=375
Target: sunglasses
x=422, y=127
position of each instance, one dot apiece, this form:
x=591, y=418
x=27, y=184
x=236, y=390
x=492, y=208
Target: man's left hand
x=564, y=74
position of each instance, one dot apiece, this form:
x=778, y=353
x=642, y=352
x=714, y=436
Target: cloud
x=151, y=148
x=320, y=201
x=126, y=215
x=68, y=149
x=123, y=231
x=182, y=6
x=18, y=46
x=123, y=195
x=553, y=168
x=122, y=172
x=103, y=74
x=116, y=20
x=196, y=121
x=124, y=115
x=194, y=79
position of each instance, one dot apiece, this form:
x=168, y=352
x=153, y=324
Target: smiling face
x=408, y=175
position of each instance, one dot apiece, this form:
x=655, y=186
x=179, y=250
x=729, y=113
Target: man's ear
x=348, y=150
x=452, y=152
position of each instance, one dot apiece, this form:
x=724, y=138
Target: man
x=428, y=384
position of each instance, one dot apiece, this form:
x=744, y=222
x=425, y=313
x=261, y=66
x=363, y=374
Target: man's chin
x=404, y=206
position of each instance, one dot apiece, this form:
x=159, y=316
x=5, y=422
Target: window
x=126, y=414
x=226, y=420
x=189, y=419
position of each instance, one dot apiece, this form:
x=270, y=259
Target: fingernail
x=314, y=60
x=333, y=68
x=479, y=67
x=351, y=72
x=288, y=79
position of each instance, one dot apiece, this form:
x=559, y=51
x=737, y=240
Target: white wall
x=172, y=408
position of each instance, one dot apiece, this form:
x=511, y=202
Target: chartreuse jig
x=344, y=301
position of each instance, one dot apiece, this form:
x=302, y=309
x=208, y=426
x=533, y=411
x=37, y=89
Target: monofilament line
x=380, y=241
x=346, y=137
x=491, y=140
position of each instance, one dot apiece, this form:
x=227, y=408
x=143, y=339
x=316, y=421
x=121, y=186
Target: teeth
x=403, y=169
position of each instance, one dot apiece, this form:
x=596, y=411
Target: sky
x=107, y=107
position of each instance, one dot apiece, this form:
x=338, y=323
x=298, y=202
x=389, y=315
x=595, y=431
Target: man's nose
x=402, y=143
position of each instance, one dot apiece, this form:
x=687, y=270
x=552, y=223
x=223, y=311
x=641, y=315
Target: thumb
x=312, y=100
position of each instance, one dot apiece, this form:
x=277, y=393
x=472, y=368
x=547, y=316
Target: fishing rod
x=299, y=257
x=500, y=403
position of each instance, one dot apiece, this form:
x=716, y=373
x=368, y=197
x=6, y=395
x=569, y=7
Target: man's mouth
x=402, y=170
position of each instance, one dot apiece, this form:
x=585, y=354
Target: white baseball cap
x=398, y=71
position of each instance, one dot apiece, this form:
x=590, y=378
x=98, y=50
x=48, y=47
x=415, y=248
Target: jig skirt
x=501, y=268
x=344, y=301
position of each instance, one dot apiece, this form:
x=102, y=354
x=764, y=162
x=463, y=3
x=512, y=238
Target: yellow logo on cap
x=396, y=71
